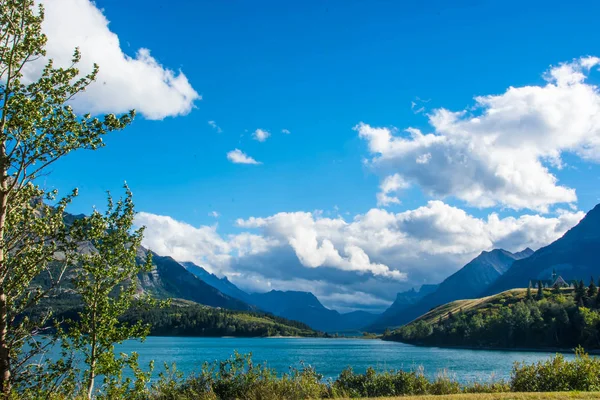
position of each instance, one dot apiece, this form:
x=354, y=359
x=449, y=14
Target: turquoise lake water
x=331, y=356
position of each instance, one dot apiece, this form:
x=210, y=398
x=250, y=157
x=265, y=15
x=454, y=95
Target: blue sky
x=317, y=69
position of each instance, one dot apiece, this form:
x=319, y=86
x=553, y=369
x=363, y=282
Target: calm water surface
x=331, y=356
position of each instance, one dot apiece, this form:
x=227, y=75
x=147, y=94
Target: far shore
x=489, y=348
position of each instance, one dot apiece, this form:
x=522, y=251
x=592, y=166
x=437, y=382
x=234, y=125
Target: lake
x=331, y=356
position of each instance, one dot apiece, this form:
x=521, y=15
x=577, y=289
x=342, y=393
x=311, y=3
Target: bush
x=558, y=374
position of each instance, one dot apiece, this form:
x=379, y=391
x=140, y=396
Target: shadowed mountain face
x=573, y=256
x=222, y=284
x=403, y=301
x=305, y=307
x=467, y=283
x=169, y=279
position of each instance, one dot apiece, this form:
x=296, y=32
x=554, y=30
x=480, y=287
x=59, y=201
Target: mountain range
x=469, y=282
x=572, y=256
x=299, y=306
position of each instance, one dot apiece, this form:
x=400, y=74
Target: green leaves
x=105, y=281
x=37, y=127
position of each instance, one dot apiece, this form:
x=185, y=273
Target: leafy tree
x=540, y=291
x=37, y=127
x=105, y=281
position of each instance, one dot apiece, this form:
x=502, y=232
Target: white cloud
x=378, y=252
x=501, y=154
x=391, y=184
x=124, y=82
x=214, y=214
x=261, y=135
x=216, y=127
x=304, y=234
x=238, y=157
x=286, y=131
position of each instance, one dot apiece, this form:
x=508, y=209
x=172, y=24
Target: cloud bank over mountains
x=375, y=253
x=499, y=153
x=125, y=81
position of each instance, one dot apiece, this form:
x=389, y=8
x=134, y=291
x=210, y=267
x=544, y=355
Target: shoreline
x=503, y=349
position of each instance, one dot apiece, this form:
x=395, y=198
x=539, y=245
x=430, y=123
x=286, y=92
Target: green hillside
x=554, y=318
x=185, y=318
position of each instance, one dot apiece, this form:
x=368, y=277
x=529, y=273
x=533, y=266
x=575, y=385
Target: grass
x=502, y=396
x=509, y=296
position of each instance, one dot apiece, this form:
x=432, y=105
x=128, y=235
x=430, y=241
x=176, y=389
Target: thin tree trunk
x=91, y=378
x=4, y=350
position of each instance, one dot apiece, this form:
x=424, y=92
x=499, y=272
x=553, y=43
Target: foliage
x=37, y=127
x=105, y=285
x=558, y=375
x=188, y=319
x=510, y=320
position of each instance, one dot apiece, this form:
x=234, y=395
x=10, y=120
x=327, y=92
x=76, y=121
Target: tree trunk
x=91, y=378
x=4, y=350
x=92, y=374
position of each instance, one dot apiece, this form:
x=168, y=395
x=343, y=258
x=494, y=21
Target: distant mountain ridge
x=467, y=283
x=221, y=284
x=573, y=256
x=295, y=305
x=305, y=307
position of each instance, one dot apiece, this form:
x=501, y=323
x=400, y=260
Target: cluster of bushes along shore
x=240, y=378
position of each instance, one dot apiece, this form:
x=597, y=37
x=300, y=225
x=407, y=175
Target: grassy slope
x=507, y=297
x=503, y=396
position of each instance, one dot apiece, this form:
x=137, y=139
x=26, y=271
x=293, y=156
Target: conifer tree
x=540, y=291
x=592, y=289
x=529, y=297
x=580, y=292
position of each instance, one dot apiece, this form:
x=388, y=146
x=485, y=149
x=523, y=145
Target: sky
x=352, y=149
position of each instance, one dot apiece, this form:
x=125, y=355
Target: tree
x=592, y=289
x=529, y=297
x=37, y=127
x=580, y=292
x=540, y=291
x=556, y=288
x=105, y=281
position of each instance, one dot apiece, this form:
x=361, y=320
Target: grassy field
x=503, y=396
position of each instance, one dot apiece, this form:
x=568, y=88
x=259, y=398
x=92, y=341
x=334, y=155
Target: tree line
x=548, y=318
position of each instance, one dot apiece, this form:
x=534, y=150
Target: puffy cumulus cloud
x=369, y=258
x=501, y=153
x=239, y=157
x=261, y=135
x=391, y=184
x=202, y=245
x=311, y=239
x=124, y=82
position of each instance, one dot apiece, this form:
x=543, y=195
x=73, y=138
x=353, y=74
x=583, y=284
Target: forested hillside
x=520, y=318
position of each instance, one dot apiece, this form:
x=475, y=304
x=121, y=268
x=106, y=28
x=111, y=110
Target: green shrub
x=558, y=374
